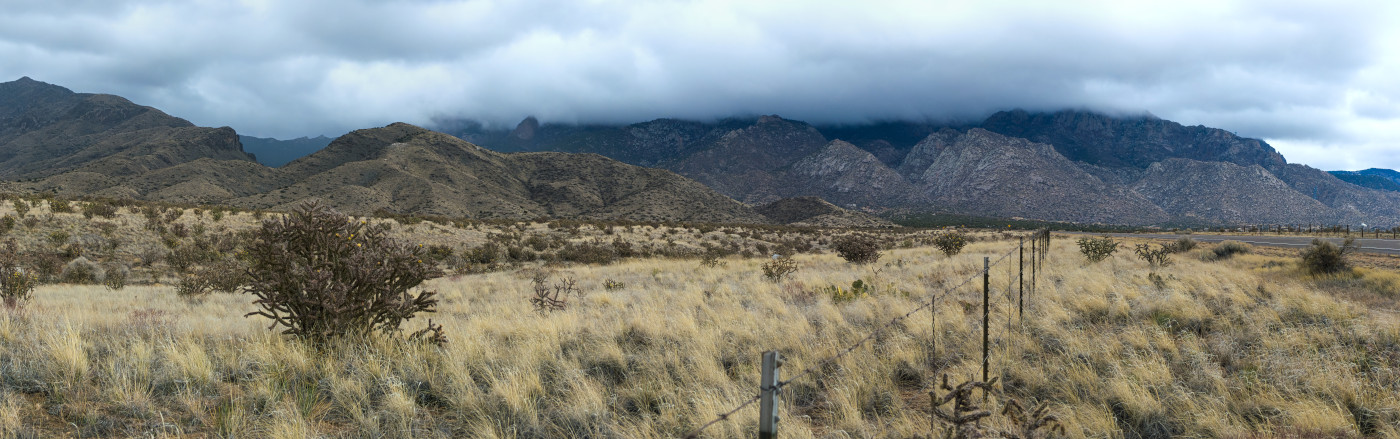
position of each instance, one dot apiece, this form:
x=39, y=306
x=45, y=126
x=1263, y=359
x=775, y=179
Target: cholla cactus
x=319, y=274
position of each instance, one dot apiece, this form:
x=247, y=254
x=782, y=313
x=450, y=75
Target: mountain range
x=1075, y=166
x=53, y=140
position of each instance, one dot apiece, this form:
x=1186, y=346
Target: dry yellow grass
x=1237, y=348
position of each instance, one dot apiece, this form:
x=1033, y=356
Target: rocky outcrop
x=1222, y=191
x=850, y=177
x=994, y=175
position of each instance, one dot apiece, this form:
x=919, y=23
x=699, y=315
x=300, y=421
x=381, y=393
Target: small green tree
x=320, y=275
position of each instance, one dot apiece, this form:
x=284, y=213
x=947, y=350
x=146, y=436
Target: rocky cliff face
x=996, y=175
x=850, y=177
x=1197, y=190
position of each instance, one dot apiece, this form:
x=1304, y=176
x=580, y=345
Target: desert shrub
x=857, y=249
x=150, y=254
x=60, y=206
x=612, y=285
x=537, y=242
x=30, y=222
x=58, y=237
x=1182, y=245
x=1324, y=257
x=779, y=267
x=1228, y=249
x=16, y=283
x=711, y=257
x=951, y=243
x=192, y=286
x=47, y=265
x=71, y=251
x=216, y=215
x=439, y=252
x=105, y=227
x=98, y=208
x=1097, y=249
x=116, y=276
x=21, y=207
x=7, y=223
x=520, y=254
x=592, y=252
x=622, y=248
x=226, y=275
x=185, y=256
x=1159, y=256
x=320, y=275
x=82, y=271
x=179, y=230
x=484, y=254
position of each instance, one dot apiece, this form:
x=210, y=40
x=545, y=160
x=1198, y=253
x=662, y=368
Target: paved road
x=1369, y=245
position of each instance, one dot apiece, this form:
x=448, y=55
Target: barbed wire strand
x=932, y=298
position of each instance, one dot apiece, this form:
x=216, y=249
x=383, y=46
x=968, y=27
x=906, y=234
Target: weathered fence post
x=986, y=316
x=1021, y=281
x=768, y=404
x=1035, y=261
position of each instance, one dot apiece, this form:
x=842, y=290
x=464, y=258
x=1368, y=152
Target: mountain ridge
x=1098, y=163
x=56, y=141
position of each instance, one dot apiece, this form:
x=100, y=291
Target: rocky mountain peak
x=526, y=129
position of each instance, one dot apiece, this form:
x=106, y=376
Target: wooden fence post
x=1021, y=281
x=768, y=405
x=986, y=317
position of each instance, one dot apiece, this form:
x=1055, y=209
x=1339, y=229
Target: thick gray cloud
x=1315, y=79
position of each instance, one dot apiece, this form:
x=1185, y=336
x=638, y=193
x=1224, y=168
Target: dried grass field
x=654, y=347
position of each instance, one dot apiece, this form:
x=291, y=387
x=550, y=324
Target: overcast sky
x=1317, y=80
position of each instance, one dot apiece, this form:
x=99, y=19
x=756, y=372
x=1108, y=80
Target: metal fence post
x=768, y=405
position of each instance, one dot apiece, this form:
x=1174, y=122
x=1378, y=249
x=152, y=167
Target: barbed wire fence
x=769, y=389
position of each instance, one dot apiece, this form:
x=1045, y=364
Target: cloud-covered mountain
x=1065, y=166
